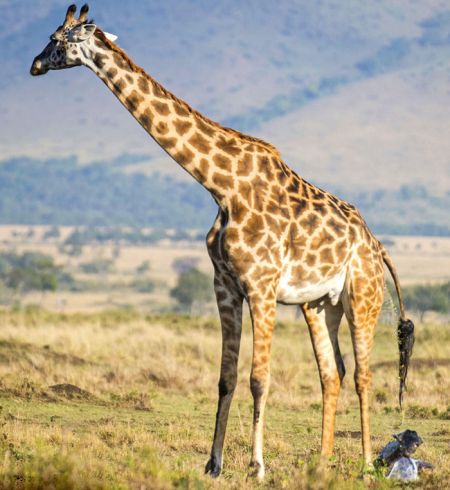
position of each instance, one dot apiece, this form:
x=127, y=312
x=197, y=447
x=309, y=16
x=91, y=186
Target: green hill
x=62, y=192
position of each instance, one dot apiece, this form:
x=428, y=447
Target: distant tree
x=29, y=271
x=77, y=237
x=72, y=250
x=52, y=232
x=193, y=286
x=388, y=242
x=428, y=297
x=143, y=267
x=143, y=285
x=99, y=266
x=116, y=250
x=184, y=264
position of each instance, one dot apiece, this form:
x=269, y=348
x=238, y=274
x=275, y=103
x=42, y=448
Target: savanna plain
x=126, y=398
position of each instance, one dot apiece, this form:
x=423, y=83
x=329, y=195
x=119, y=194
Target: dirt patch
x=353, y=434
x=417, y=363
x=71, y=392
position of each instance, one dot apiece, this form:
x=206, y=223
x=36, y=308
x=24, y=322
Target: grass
x=143, y=413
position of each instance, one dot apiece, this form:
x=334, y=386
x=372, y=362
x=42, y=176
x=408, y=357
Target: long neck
x=197, y=144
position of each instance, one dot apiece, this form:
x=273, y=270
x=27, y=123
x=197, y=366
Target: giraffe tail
x=405, y=328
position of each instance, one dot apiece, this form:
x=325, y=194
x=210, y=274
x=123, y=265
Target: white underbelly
x=291, y=293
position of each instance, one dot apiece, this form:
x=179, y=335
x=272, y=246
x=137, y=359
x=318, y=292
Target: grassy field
x=125, y=400
x=418, y=259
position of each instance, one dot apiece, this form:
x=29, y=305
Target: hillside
x=355, y=95
x=62, y=192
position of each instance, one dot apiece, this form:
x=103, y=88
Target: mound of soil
x=71, y=392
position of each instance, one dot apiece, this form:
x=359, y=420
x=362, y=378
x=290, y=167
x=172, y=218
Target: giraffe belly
x=291, y=293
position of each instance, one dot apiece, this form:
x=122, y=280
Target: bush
x=193, y=286
x=100, y=266
x=143, y=285
x=184, y=264
x=143, y=267
x=428, y=297
x=30, y=271
x=52, y=232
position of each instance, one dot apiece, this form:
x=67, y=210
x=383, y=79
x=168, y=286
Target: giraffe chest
x=292, y=290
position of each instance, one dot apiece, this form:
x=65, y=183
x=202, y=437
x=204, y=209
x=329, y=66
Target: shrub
x=192, y=287
x=100, y=266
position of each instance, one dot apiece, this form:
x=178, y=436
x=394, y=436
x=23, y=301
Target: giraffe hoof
x=213, y=467
x=256, y=470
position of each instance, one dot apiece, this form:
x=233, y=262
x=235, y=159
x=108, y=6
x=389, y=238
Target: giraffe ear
x=82, y=32
x=111, y=37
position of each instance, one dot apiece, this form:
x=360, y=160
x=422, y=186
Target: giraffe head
x=64, y=48
x=67, y=43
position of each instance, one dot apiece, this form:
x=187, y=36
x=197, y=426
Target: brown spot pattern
x=321, y=239
x=253, y=230
x=162, y=128
x=222, y=162
x=119, y=85
x=121, y=62
x=161, y=107
x=310, y=223
x=180, y=109
x=245, y=191
x=143, y=84
x=204, y=167
x=100, y=60
x=223, y=181
x=265, y=168
x=298, y=206
x=200, y=143
x=259, y=189
x=184, y=156
x=146, y=119
x=182, y=127
x=133, y=100
x=326, y=255
x=245, y=166
x=238, y=209
x=205, y=128
x=111, y=73
x=228, y=146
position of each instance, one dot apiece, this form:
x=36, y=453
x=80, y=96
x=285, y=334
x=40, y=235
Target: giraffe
x=276, y=239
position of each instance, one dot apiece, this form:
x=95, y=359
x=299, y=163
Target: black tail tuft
x=405, y=333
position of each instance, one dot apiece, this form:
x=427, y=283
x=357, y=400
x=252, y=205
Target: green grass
x=146, y=417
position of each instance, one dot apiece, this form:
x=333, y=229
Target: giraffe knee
x=363, y=379
x=256, y=387
x=341, y=369
x=227, y=385
x=331, y=383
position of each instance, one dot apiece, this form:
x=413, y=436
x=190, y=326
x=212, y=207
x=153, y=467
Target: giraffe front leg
x=229, y=302
x=323, y=323
x=263, y=318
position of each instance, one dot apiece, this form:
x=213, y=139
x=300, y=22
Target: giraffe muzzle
x=38, y=68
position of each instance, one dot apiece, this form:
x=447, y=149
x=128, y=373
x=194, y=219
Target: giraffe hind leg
x=362, y=314
x=323, y=322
